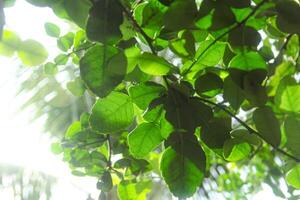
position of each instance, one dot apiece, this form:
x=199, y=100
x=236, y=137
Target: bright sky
x=23, y=143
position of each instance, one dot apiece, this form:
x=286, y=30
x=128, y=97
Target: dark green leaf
x=183, y=166
x=185, y=13
x=267, y=125
x=292, y=132
x=216, y=132
x=104, y=20
x=105, y=183
x=208, y=85
x=102, y=68
x=288, y=19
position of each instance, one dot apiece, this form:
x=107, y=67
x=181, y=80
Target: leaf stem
x=251, y=130
x=223, y=35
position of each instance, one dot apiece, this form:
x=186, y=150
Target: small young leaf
x=52, y=30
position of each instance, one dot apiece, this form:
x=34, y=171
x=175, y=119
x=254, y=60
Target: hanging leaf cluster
x=177, y=86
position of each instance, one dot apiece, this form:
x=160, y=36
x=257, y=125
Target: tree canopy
x=202, y=94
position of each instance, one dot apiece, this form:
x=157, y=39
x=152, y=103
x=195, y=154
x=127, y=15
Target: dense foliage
x=188, y=91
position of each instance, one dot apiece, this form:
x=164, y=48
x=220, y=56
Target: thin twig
x=224, y=34
x=137, y=27
x=109, y=151
x=251, y=130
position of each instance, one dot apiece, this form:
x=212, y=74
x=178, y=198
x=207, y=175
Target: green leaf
x=9, y=43
x=216, y=132
x=267, y=125
x=154, y=65
x=65, y=42
x=104, y=20
x=288, y=19
x=253, y=89
x=184, y=46
x=143, y=139
x=76, y=87
x=239, y=3
x=213, y=55
x=105, y=183
x=56, y=148
x=112, y=113
x=183, y=11
x=208, y=85
x=134, y=191
x=287, y=95
x=73, y=129
x=248, y=61
x=293, y=177
x=244, y=135
x=291, y=129
x=236, y=149
x=222, y=17
x=244, y=36
x=50, y=69
x=186, y=114
x=78, y=11
x=233, y=93
x=183, y=166
x=52, y=29
x=32, y=53
x=61, y=59
x=103, y=68
x=142, y=94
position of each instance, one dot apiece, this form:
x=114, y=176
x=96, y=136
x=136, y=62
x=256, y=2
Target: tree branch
x=251, y=130
x=223, y=35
